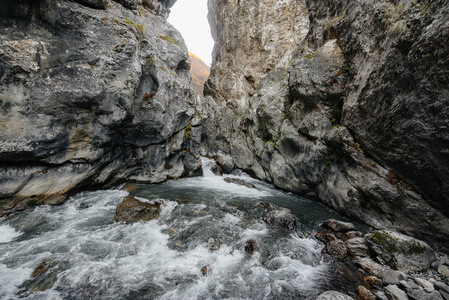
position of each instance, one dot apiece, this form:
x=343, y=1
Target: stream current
x=84, y=254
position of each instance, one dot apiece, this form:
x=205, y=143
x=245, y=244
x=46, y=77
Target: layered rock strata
x=349, y=105
x=92, y=93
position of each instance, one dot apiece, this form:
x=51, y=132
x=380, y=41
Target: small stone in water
x=42, y=268
x=206, y=270
x=240, y=182
x=250, y=246
x=264, y=205
x=213, y=245
x=160, y=202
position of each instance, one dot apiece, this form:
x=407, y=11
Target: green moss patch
x=395, y=245
x=169, y=39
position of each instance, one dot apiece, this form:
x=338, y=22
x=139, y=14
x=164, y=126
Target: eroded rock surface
x=239, y=182
x=355, y=115
x=91, y=94
x=401, y=252
x=132, y=210
x=281, y=217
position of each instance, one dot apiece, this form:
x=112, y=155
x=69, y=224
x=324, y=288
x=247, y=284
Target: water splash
x=8, y=233
x=206, y=222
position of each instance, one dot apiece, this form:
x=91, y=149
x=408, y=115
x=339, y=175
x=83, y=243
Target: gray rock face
x=89, y=98
x=401, y=252
x=355, y=116
x=395, y=293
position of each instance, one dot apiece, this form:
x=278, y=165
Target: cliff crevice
x=353, y=113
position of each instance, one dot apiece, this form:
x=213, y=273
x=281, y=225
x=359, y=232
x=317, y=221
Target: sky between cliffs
x=190, y=18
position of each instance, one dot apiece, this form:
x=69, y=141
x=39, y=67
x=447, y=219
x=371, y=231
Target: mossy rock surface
x=401, y=252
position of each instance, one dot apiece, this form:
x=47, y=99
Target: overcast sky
x=190, y=18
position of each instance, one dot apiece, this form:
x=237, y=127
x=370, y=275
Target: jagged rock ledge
x=344, y=101
x=92, y=93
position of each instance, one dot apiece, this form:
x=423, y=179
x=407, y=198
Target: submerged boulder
x=401, y=252
x=240, y=182
x=281, y=217
x=43, y=277
x=133, y=210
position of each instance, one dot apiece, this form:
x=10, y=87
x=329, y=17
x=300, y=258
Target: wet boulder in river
x=240, y=182
x=338, y=226
x=250, y=246
x=133, y=210
x=281, y=217
x=214, y=168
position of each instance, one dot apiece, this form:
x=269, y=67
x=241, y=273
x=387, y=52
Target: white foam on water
x=211, y=182
x=8, y=233
x=10, y=279
x=112, y=260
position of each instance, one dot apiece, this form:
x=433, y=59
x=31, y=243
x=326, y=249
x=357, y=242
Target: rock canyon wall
x=92, y=93
x=345, y=101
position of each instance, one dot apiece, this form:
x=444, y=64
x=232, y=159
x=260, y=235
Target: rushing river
x=206, y=222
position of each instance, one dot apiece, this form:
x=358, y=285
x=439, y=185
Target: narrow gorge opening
x=190, y=18
x=118, y=181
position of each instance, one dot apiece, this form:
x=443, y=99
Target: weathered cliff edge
x=348, y=103
x=92, y=93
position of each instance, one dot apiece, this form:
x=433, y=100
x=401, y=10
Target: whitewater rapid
x=205, y=223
